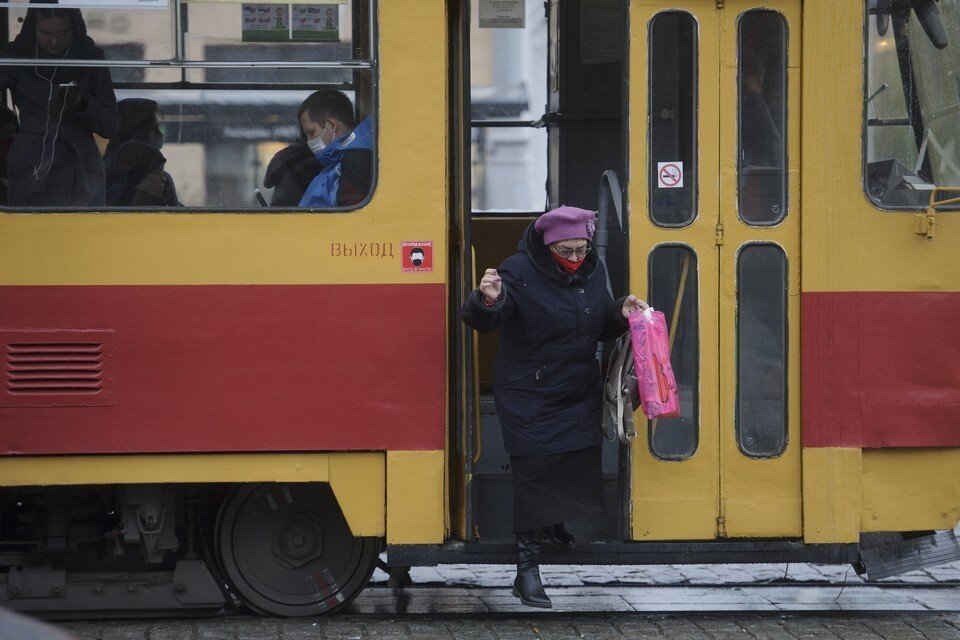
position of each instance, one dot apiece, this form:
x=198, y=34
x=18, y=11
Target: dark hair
x=328, y=103
x=81, y=45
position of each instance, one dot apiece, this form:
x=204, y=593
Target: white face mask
x=317, y=144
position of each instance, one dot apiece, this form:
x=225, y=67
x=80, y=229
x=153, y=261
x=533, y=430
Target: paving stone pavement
x=484, y=575
x=533, y=627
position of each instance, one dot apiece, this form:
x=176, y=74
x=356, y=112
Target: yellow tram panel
x=278, y=248
x=358, y=479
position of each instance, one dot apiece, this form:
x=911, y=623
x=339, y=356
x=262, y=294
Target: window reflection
x=209, y=96
x=673, y=118
x=762, y=81
x=673, y=276
x=761, y=422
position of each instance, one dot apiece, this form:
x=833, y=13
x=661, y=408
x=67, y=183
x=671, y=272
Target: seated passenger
x=343, y=147
x=134, y=164
x=292, y=169
x=55, y=161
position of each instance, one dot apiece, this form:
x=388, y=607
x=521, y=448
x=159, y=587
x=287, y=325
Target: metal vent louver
x=54, y=368
x=57, y=368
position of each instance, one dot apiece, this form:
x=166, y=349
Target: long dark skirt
x=556, y=488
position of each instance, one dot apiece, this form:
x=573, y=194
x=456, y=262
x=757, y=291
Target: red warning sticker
x=417, y=255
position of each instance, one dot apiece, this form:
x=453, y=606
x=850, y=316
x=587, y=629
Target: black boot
x=528, y=586
x=557, y=535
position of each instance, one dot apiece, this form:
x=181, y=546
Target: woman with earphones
x=55, y=161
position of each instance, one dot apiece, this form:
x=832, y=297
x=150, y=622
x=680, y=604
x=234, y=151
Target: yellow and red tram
x=222, y=397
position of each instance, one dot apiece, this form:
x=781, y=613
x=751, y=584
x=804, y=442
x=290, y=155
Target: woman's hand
x=631, y=304
x=490, y=285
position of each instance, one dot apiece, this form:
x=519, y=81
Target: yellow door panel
x=743, y=477
x=760, y=490
x=678, y=499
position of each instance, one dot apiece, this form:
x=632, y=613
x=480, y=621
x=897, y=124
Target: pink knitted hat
x=566, y=223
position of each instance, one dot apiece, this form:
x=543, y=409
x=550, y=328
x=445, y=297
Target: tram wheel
x=286, y=549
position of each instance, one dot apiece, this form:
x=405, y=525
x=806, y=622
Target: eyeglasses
x=567, y=252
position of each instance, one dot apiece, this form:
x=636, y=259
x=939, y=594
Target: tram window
x=209, y=96
x=673, y=275
x=762, y=133
x=911, y=102
x=761, y=420
x=673, y=117
x=508, y=152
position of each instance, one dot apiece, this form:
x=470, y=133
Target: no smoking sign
x=669, y=175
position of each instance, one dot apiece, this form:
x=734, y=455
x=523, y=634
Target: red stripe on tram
x=880, y=369
x=238, y=368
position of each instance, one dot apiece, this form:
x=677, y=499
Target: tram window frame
x=739, y=433
x=364, y=85
x=692, y=294
x=914, y=183
x=692, y=173
x=746, y=173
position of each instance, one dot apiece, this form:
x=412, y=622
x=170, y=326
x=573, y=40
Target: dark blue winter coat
x=546, y=380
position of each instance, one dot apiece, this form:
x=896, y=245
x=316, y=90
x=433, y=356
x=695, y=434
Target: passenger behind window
x=8, y=132
x=760, y=136
x=134, y=164
x=55, y=161
x=343, y=147
x=292, y=169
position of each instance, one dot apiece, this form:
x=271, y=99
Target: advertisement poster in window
x=316, y=22
x=266, y=22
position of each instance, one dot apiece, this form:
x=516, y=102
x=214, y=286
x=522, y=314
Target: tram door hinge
x=719, y=4
x=926, y=221
x=719, y=233
x=721, y=527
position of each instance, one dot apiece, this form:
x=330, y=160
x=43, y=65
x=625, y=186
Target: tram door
x=715, y=219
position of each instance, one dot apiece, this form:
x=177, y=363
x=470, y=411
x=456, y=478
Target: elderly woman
x=551, y=301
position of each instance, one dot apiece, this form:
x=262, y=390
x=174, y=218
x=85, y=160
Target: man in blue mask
x=343, y=148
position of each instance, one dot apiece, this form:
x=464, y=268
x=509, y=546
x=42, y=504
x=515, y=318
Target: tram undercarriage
x=286, y=549
x=142, y=550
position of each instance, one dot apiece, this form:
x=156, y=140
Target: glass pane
x=673, y=118
x=122, y=33
x=508, y=167
x=673, y=273
x=762, y=350
x=203, y=148
x=912, y=101
x=218, y=31
x=762, y=86
x=508, y=82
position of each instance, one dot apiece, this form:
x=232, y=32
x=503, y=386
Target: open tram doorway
x=540, y=123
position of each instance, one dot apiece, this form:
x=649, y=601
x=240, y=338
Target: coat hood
x=25, y=45
x=360, y=138
x=531, y=243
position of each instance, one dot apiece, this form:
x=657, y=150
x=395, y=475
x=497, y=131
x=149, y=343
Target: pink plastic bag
x=651, y=355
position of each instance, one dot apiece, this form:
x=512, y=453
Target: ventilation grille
x=57, y=368
x=66, y=367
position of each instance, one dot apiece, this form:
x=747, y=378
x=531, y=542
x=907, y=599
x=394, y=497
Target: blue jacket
x=324, y=190
x=546, y=380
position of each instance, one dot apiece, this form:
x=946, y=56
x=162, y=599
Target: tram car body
x=221, y=403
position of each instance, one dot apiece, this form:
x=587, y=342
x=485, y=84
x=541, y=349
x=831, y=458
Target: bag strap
x=618, y=419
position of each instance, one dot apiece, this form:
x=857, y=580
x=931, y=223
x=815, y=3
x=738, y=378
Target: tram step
x=619, y=553
x=885, y=555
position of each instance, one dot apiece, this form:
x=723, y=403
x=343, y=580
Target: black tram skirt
x=556, y=488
